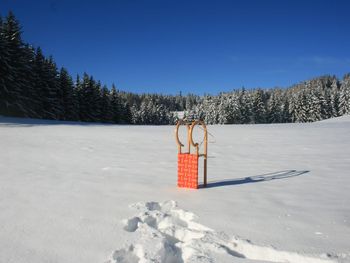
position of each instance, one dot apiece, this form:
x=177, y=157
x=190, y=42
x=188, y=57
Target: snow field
x=66, y=187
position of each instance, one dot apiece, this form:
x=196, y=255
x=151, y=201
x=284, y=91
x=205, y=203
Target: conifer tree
x=244, y=106
x=258, y=107
x=5, y=71
x=12, y=89
x=115, y=105
x=334, y=97
x=53, y=83
x=45, y=87
x=30, y=93
x=106, y=108
x=88, y=100
x=67, y=99
x=344, y=104
x=79, y=97
x=274, y=108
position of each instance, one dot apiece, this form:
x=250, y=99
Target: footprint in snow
x=168, y=234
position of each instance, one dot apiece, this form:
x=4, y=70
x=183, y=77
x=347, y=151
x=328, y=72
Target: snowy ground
x=73, y=192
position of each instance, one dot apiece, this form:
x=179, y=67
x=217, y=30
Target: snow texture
x=168, y=234
x=276, y=193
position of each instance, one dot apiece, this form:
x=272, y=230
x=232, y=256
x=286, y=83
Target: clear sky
x=190, y=46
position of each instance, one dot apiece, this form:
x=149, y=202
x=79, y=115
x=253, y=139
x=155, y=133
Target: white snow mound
x=166, y=233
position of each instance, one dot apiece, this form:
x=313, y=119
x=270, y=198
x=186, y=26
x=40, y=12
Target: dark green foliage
x=115, y=105
x=67, y=98
x=5, y=70
x=13, y=67
x=105, y=106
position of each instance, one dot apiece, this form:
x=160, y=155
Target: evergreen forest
x=32, y=86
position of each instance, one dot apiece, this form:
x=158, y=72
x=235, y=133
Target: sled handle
x=205, y=136
x=179, y=144
x=205, y=154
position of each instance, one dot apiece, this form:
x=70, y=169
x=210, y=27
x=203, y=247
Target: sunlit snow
x=78, y=192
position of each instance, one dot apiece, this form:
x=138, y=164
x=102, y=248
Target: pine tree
x=45, y=86
x=13, y=66
x=106, y=108
x=97, y=110
x=5, y=71
x=135, y=114
x=245, y=106
x=54, y=87
x=115, y=105
x=67, y=99
x=258, y=107
x=334, y=98
x=313, y=104
x=79, y=97
x=29, y=92
x=344, y=104
x=89, y=103
x=274, y=107
x=286, y=116
x=293, y=106
x=301, y=107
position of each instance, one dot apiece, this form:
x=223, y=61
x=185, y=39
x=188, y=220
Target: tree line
x=32, y=86
x=317, y=99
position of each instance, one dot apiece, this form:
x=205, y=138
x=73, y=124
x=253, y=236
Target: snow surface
x=75, y=192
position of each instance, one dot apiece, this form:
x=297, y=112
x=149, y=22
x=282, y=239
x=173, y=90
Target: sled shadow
x=256, y=178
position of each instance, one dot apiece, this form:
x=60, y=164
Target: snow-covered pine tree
x=145, y=111
x=232, y=109
x=286, y=116
x=293, y=104
x=245, y=106
x=135, y=114
x=314, y=105
x=210, y=109
x=190, y=101
x=274, y=107
x=326, y=104
x=334, y=97
x=258, y=107
x=344, y=104
x=301, y=107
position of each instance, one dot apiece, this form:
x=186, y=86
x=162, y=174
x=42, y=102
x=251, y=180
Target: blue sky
x=190, y=46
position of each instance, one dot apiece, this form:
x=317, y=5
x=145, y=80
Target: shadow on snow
x=256, y=178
